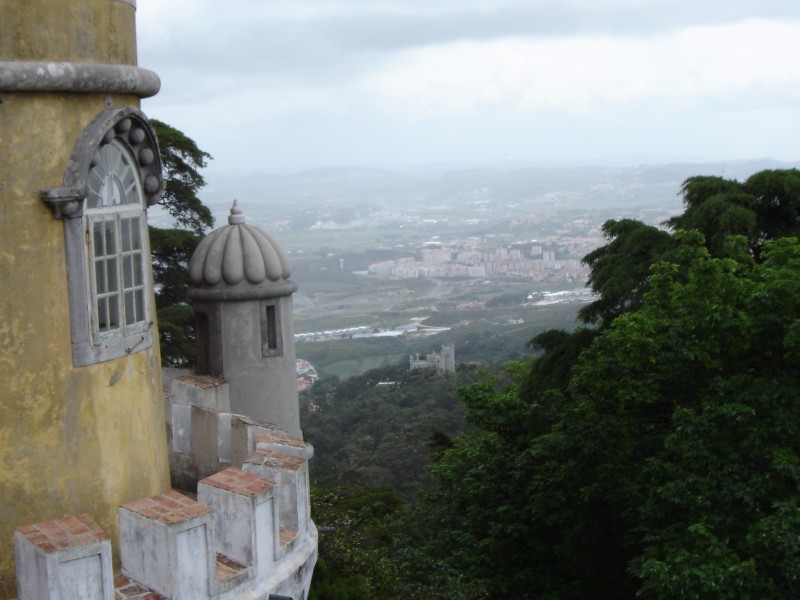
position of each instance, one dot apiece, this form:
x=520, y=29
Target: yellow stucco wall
x=99, y=31
x=72, y=440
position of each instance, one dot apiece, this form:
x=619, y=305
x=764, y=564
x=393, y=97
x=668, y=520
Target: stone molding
x=243, y=292
x=129, y=126
x=86, y=78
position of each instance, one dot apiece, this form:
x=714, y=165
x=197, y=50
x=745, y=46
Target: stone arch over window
x=112, y=176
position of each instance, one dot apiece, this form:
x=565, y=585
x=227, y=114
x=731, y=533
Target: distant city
x=550, y=260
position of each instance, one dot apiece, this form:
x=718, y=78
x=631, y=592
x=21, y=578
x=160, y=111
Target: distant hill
x=278, y=195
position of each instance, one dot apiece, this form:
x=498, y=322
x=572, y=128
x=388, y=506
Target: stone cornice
x=32, y=76
x=242, y=292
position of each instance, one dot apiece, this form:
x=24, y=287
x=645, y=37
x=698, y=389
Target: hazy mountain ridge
x=350, y=186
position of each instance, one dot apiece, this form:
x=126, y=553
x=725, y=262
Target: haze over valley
x=468, y=250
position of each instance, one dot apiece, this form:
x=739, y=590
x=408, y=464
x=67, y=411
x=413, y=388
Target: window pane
x=95, y=187
x=130, y=316
x=269, y=331
x=113, y=157
x=99, y=246
x=102, y=314
x=111, y=238
x=128, y=187
x=136, y=233
x=113, y=311
x=125, y=226
x=139, y=298
x=97, y=177
x=137, y=269
x=127, y=271
x=113, y=284
x=100, y=276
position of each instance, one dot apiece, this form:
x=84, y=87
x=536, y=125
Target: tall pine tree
x=172, y=248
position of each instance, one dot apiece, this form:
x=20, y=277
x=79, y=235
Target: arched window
x=112, y=176
x=115, y=229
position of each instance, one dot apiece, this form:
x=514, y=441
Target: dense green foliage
x=654, y=456
x=372, y=445
x=367, y=551
x=619, y=270
x=172, y=248
x=374, y=430
x=181, y=161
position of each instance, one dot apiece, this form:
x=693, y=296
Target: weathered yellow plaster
x=72, y=440
x=98, y=31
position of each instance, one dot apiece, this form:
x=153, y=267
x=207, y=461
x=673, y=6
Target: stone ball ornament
x=127, y=126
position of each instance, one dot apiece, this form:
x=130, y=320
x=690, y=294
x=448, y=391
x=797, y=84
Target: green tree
x=374, y=435
x=766, y=206
x=172, y=248
x=672, y=469
x=181, y=161
x=354, y=554
x=619, y=271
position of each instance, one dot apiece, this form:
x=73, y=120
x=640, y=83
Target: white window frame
x=127, y=130
x=126, y=258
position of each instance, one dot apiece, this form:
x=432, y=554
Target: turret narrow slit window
x=270, y=330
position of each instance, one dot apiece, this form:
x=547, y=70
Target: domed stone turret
x=239, y=261
x=242, y=297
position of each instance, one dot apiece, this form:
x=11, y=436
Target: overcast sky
x=290, y=84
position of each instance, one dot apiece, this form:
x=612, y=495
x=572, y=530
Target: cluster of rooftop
x=531, y=260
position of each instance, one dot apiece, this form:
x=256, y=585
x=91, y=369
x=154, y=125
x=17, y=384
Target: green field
x=331, y=296
x=479, y=336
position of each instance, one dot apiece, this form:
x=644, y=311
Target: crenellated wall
x=229, y=545
x=248, y=534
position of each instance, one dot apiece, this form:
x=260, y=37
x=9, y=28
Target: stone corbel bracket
x=127, y=125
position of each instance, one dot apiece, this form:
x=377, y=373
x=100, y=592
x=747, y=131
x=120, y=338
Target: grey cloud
x=381, y=31
x=335, y=46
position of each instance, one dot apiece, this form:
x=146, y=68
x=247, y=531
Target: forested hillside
x=377, y=429
x=653, y=453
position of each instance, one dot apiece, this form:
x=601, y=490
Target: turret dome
x=238, y=262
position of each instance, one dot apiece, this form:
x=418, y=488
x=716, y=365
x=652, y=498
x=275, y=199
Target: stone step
x=126, y=588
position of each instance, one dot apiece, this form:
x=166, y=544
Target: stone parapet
x=63, y=559
x=229, y=545
x=245, y=511
x=165, y=543
x=206, y=439
x=273, y=439
x=291, y=473
x=204, y=391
